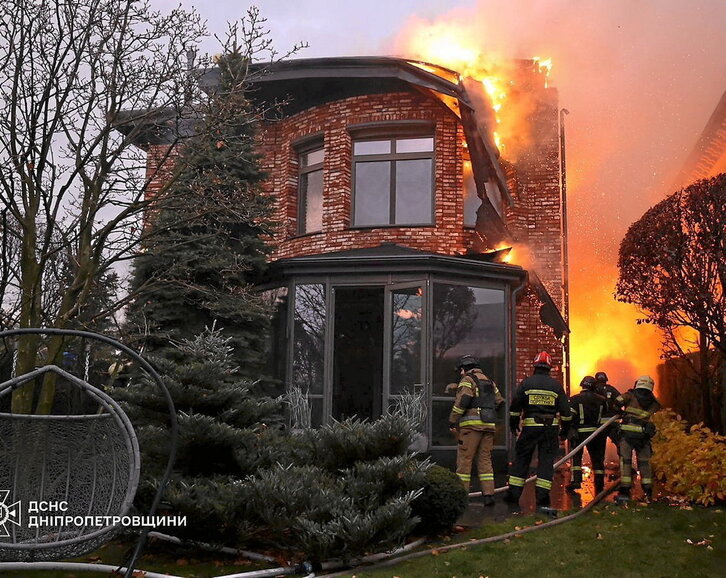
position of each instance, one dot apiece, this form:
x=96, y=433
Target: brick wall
x=533, y=180
x=331, y=122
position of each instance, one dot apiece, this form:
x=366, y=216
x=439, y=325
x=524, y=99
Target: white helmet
x=645, y=382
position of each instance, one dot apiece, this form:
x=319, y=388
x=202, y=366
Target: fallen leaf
x=182, y=562
x=539, y=523
x=518, y=535
x=517, y=528
x=709, y=547
x=435, y=552
x=507, y=540
x=599, y=536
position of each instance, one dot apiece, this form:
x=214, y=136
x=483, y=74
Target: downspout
x=565, y=255
x=513, y=362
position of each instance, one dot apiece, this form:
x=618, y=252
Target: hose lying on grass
x=499, y=538
x=335, y=564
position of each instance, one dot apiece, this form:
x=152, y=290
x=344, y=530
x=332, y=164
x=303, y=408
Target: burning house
x=406, y=239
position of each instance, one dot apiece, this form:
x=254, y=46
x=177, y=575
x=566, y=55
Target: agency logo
x=9, y=513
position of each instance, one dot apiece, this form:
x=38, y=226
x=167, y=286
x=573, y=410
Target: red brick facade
x=534, y=219
x=331, y=122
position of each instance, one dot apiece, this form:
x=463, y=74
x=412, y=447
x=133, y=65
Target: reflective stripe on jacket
x=540, y=398
x=462, y=413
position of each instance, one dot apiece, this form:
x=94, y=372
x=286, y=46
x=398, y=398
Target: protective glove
x=514, y=424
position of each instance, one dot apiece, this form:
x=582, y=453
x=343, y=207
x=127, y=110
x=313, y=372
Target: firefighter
x=610, y=394
x=472, y=421
x=636, y=430
x=538, y=399
x=587, y=409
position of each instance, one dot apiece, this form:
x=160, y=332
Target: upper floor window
x=393, y=181
x=310, y=194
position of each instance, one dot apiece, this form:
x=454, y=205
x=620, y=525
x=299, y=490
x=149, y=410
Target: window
x=472, y=202
x=308, y=358
x=310, y=205
x=466, y=321
x=393, y=181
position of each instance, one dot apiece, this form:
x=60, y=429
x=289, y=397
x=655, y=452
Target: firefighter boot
x=511, y=497
x=576, y=481
x=623, y=496
x=599, y=483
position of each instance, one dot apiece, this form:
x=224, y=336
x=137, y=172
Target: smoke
x=640, y=80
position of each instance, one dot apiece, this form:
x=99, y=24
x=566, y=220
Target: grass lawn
x=159, y=557
x=645, y=541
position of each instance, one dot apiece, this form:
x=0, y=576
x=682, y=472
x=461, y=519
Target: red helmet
x=543, y=359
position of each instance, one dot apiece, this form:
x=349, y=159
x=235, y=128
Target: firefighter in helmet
x=636, y=430
x=610, y=393
x=472, y=420
x=587, y=408
x=539, y=400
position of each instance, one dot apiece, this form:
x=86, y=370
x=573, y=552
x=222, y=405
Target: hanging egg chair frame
x=50, y=547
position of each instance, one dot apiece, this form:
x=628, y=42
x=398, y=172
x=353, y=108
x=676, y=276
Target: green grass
x=157, y=557
x=638, y=541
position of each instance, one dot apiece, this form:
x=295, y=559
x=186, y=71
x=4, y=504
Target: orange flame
x=605, y=336
x=442, y=43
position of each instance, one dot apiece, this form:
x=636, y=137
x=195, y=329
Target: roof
x=306, y=82
x=399, y=258
x=708, y=157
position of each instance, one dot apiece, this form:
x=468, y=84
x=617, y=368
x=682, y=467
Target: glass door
x=405, y=368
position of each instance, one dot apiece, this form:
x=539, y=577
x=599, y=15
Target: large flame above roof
x=441, y=43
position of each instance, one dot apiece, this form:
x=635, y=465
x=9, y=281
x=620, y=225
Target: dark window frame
x=302, y=150
x=392, y=133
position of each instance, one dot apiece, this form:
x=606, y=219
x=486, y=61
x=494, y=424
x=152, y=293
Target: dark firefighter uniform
x=610, y=394
x=473, y=414
x=539, y=399
x=636, y=430
x=587, y=409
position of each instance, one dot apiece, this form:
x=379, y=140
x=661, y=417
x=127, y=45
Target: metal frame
x=389, y=281
x=173, y=426
x=392, y=133
x=304, y=171
x=115, y=412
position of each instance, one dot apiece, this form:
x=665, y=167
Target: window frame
x=303, y=170
x=392, y=133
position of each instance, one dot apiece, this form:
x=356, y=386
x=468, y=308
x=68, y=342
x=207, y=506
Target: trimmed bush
x=442, y=501
x=339, y=491
x=689, y=462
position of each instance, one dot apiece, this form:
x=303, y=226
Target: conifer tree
x=222, y=426
x=198, y=270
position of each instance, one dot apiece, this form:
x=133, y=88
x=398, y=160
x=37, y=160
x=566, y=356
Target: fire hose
x=597, y=499
x=562, y=460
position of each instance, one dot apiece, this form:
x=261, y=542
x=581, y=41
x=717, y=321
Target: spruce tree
x=222, y=432
x=198, y=269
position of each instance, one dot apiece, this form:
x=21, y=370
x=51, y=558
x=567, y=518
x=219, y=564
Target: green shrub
x=689, y=462
x=442, y=501
x=342, y=444
x=304, y=510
